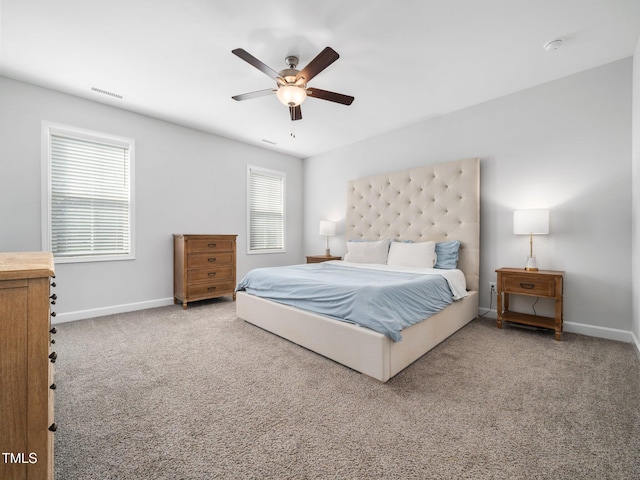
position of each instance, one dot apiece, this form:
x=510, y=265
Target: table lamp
x=328, y=229
x=531, y=222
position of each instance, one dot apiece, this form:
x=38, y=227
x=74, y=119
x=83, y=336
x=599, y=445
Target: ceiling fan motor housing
x=292, y=61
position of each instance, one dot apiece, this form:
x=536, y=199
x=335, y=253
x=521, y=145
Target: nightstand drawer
x=530, y=284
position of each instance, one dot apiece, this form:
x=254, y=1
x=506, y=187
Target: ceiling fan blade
x=250, y=59
x=249, y=96
x=325, y=58
x=296, y=113
x=331, y=96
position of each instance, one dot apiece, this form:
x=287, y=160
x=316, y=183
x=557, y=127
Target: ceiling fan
x=292, y=87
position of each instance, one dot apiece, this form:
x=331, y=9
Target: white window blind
x=90, y=197
x=266, y=224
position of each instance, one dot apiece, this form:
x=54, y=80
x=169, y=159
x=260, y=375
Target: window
x=266, y=215
x=87, y=196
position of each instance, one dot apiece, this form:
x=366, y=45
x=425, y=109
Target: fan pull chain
x=293, y=133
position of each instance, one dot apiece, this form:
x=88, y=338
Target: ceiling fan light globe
x=291, y=95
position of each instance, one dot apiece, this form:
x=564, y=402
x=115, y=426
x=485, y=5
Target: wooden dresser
x=204, y=266
x=26, y=366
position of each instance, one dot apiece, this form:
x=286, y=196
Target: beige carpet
x=199, y=394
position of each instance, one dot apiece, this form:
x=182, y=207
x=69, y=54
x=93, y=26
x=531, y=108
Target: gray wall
x=636, y=196
x=564, y=145
x=186, y=181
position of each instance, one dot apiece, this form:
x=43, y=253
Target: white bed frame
x=437, y=202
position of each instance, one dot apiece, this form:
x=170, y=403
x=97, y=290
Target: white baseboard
x=583, y=329
x=600, y=332
x=100, y=312
x=636, y=343
x=484, y=313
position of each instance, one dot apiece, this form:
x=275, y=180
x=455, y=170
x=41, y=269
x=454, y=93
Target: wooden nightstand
x=321, y=258
x=543, y=284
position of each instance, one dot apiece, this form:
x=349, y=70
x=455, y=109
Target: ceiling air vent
x=104, y=92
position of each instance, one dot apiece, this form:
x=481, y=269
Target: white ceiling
x=403, y=60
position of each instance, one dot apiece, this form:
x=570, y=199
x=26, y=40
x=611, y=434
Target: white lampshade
x=534, y=222
x=327, y=227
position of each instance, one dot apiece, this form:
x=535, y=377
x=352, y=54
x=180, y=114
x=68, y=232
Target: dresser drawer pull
x=212, y=259
x=528, y=286
x=53, y=427
x=53, y=314
x=212, y=274
x=212, y=245
x=211, y=289
x=52, y=386
x=53, y=357
x=53, y=330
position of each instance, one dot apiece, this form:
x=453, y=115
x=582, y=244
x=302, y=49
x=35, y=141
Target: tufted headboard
x=438, y=202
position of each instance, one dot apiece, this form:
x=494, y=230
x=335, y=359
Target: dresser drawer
x=204, y=260
x=541, y=286
x=210, y=244
x=206, y=290
x=209, y=274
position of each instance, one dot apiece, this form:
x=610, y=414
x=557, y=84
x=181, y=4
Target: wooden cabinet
x=204, y=266
x=541, y=283
x=321, y=258
x=26, y=367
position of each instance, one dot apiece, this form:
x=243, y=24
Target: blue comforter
x=384, y=301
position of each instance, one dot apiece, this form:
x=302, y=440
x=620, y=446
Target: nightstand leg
x=558, y=320
x=499, y=307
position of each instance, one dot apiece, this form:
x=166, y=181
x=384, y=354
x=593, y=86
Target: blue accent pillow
x=447, y=253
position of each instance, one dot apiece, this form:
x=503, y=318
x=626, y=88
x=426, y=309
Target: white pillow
x=419, y=254
x=367, y=252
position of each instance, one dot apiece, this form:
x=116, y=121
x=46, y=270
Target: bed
x=434, y=203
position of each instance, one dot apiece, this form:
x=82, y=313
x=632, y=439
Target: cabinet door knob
x=53, y=357
x=53, y=386
x=53, y=427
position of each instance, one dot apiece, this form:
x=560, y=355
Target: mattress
x=384, y=298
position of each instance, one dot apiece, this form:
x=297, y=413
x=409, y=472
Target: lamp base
x=327, y=252
x=532, y=265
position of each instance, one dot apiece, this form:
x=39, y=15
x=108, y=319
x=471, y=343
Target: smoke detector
x=553, y=45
